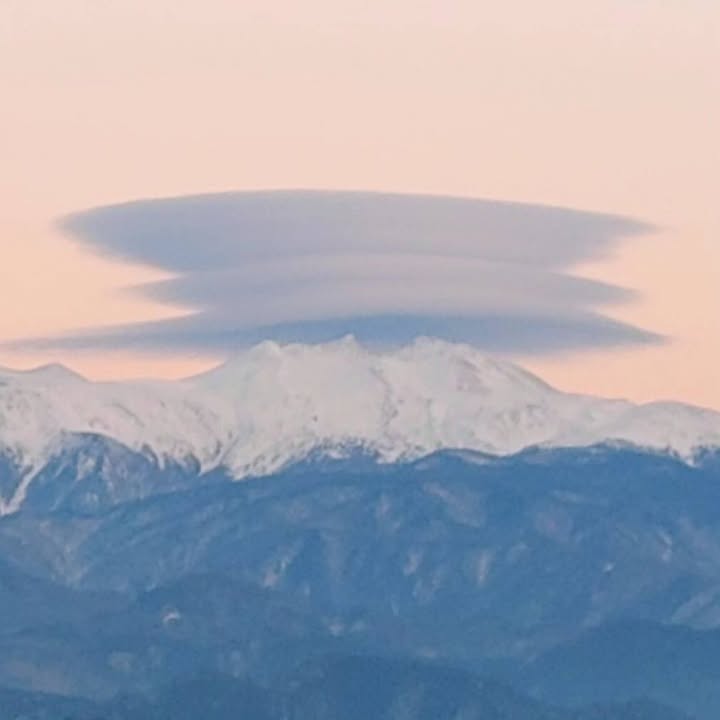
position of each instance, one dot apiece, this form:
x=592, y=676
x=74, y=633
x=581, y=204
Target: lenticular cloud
x=311, y=266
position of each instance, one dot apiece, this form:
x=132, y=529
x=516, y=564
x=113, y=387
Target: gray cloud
x=504, y=333
x=311, y=265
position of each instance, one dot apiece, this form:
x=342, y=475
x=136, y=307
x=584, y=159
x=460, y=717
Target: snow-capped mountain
x=272, y=404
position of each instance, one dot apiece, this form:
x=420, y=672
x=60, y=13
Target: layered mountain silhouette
x=367, y=574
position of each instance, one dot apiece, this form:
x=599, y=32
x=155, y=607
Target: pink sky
x=603, y=105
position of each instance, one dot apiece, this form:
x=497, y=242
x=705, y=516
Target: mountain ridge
x=273, y=405
x=468, y=561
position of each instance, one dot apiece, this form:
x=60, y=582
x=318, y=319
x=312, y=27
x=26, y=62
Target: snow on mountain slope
x=170, y=419
x=273, y=404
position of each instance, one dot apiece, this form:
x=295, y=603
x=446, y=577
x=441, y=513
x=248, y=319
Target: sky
x=601, y=110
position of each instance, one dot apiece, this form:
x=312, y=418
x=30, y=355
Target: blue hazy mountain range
x=330, y=532
x=583, y=577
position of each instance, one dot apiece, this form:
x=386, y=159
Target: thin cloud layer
x=312, y=266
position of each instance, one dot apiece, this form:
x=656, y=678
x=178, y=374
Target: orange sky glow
x=604, y=105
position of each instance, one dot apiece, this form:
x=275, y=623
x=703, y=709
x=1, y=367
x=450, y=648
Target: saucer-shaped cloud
x=312, y=266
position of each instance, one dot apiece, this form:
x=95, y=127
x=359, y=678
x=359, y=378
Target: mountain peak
x=50, y=372
x=274, y=404
x=56, y=372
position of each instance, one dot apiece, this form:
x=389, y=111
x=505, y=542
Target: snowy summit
x=273, y=404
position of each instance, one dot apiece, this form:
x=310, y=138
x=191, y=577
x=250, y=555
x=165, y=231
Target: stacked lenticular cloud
x=312, y=266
